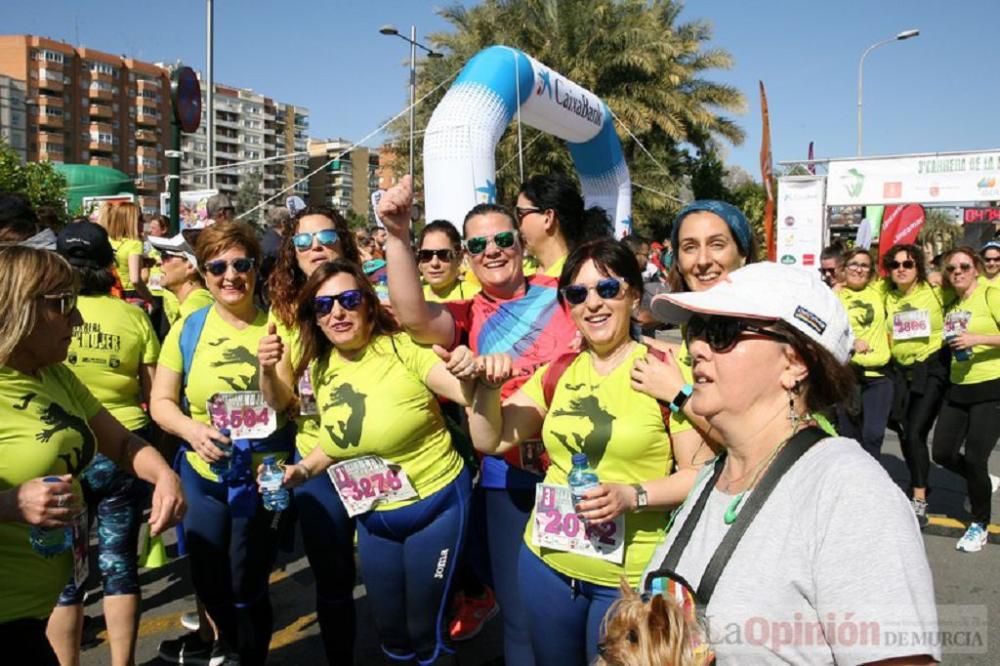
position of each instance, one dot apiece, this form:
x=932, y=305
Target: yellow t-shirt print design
x=55, y=419
x=588, y=407
x=345, y=433
x=235, y=356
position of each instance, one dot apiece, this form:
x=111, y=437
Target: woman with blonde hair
x=53, y=427
x=123, y=223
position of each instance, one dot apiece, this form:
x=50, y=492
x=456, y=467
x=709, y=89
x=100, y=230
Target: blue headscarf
x=730, y=214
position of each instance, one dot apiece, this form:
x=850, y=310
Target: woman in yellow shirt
x=123, y=222
x=384, y=445
x=867, y=417
x=969, y=414
x=568, y=582
x=915, y=317
x=990, y=254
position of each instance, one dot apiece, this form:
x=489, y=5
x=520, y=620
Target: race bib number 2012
x=557, y=527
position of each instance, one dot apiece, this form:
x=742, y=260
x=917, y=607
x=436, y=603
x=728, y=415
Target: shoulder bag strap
x=788, y=456
x=681, y=542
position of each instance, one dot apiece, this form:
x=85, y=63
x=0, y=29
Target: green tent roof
x=84, y=180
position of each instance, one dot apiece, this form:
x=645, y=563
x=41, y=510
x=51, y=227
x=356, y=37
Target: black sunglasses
x=349, y=300
x=906, y=263
x=478, y=244
x=606, y=288
x=722, y=333
x=521, y=213
x=66, y=301
x=961, y=268
x=220, y=266
x=827, y=271
x=445, y=256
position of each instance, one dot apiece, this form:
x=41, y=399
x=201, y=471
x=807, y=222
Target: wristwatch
x=682, y=396
x=641, y=497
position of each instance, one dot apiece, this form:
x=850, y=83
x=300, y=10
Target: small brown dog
x=657, y=633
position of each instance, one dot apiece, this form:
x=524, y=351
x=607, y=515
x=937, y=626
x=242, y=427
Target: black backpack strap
x=796, y=447
x=681, y=542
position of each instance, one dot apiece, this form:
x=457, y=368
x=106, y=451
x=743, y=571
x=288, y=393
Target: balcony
x=101, y=111
x=100, y=146
x=147, y=152
x=46, y=119
x=46, y=156
x=51, y=137
x=101, y=161
x=147, y=119
x=146, y=136
x=97, y=93
x=102, y=77
x=51, y=81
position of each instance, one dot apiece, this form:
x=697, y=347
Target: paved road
x=960, y=579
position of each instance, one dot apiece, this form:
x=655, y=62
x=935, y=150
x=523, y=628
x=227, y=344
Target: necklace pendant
x=730, y=517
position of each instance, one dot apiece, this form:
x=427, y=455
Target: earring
x=793, y=416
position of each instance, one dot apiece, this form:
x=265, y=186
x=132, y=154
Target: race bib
x=955, y=322
x=155, y=282
x=557, y=527
x=81, y=548
x=364, y=483
x=244, y=413
x=910, y=324
x=307, y=398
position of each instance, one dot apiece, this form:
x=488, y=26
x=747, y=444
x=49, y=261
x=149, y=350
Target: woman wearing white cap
x=180, y=277
x=990, y=254
x=815, y=509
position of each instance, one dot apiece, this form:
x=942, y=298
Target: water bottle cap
x=52, y=479
x=579, y=459
x=268, y=460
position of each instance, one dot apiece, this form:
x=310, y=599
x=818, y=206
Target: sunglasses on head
x=325, y=237
x=503, y=240
x=521, y=213
x=220, y=266
x=445, y=256
x=606, y=288
x=959, y=268
x=349, y=300
x=722, y=333
x=66, y=301
x=906, y=263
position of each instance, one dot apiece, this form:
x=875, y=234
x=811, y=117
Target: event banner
x=801, y=231
x=925, y=179
x=194, y=207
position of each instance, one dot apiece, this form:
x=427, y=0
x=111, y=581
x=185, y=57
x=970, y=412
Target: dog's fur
x=647, y=634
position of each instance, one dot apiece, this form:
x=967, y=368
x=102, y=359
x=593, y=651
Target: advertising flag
x=766, y=174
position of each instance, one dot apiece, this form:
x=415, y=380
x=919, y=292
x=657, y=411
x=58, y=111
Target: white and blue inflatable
x=461, y=137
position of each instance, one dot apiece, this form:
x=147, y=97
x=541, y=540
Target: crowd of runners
x=430, y=401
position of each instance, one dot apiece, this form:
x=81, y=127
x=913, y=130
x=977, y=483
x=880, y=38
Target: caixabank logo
x=562, y=91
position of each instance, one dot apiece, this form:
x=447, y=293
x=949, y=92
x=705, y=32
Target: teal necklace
x=732, y=510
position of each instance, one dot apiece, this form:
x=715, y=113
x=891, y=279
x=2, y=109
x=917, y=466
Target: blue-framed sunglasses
x=325, y=237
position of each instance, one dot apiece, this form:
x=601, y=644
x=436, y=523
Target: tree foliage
x=39, y=181
x=634, y=54
x=249, y=195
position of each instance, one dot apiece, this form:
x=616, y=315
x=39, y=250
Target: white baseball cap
x=176, y=244
x=773, y=292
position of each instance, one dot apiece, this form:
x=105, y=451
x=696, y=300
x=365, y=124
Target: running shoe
x=920, y=511
x=191, y=621
x=973, y=540
x=191, y=650
x=472, y=614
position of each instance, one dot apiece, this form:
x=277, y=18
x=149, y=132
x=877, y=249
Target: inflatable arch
x=461, y=137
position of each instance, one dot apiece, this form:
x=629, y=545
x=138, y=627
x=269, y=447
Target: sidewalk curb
x=950, y=527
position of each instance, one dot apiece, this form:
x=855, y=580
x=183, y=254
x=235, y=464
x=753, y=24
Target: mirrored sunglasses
x=478, y=244
x=606, y=288
x=325, y=237
x=349, y=300
x=220, y=266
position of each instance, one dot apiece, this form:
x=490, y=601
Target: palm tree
x=634, y=54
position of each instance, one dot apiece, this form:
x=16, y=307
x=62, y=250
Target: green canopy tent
x=83, y=180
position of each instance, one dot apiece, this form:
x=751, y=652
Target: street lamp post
x=906, y=34
x=431, y=53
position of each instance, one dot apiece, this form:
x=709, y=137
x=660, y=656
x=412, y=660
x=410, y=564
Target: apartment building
x=84, y=106
x=249, y=128
x=13, y=118
x=347, y=182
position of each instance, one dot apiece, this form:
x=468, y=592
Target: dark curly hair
x=315, y=344
x=287, y=280
x=913, y=252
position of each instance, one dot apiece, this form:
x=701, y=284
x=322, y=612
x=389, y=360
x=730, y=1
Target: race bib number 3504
x=557, y=527
x=244, y=413
x=364, y=483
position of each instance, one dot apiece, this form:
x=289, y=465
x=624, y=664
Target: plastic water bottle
x=51, y=541
x=958, y=354
x=221, y=467
x=581, y=478
x=273, y=494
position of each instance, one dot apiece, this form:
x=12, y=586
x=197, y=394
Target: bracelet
x=682, y=397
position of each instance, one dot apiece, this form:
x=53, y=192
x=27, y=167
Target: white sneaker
x=973, y=540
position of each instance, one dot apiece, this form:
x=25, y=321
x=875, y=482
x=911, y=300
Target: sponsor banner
x=901, y=225
x=943, y=177
x=801, y=231
x=92, y=205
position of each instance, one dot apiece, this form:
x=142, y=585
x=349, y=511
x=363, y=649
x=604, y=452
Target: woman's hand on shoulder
x=656, y=378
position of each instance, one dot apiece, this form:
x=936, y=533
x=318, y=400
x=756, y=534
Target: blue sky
x=937, y=92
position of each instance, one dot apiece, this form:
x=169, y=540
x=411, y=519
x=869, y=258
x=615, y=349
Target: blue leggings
x=116, y=500
x=564, y=615
x=231, y=560
x=507, y=513
x=328, y=537
x=408, y=559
